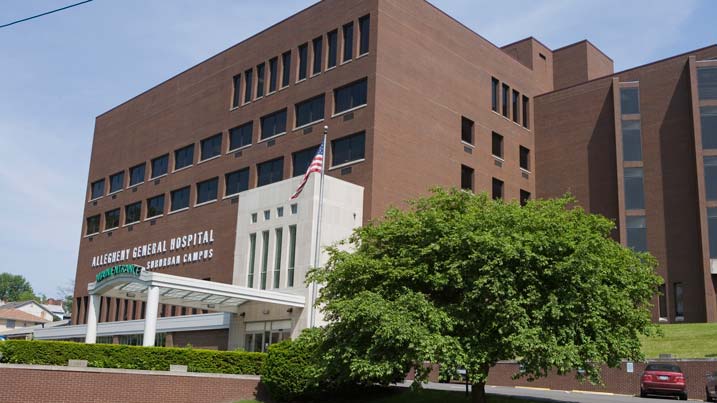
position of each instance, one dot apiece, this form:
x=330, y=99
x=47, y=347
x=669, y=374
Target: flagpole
x=317, y=251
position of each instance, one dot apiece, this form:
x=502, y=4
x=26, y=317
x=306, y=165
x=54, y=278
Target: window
x=634, y=192
x=516, y=99
x=506, y=94
x=248, y=85
x=524, y=158
x=526, y=112
x=292, y=256
x=348, y=31
x=112, y=219
x=364, y=30
x=264, y=258
x=348, y=149
x=524, y=197
x=708, y=118
x=93, y=225
x=631, y=145
x=240, y=136
x=252, y=260
x=303, y=62
x=636, y=233
x=270, y=171
x=237, y=181
x=710, y=177
x=662, y=305
x=155, y=206
x=630, y=100
x=184, y=157
x=159, y=166
x=285, y=69
x=267, y=215
x=273, y=124
x=350, y=96
x=294, y=209
x=116, y=182
x=494, y=94
x=136, y=174
x=207, y=190
x=10, y=323
x=97, y=189
x=707, y=82
x=279, y=211
x=497, y=145
x=179, y=199
x=133, y=213
x=497, y=189
x=211, y=147
x=679, y=303
x=712, y=231
x=254, y=218
x=302, y=159
x=467, y=128
x=318, y=44
x=273, y=71
x=310, y=111
x=467, y=174
x=236, y=94
x=260, y=71
x=333, y=42
x=277, y=257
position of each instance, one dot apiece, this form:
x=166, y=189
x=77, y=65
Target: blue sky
x=58, y=72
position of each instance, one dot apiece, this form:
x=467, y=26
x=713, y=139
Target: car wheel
x=708, y=398
x=642, y=393
x=683, y=396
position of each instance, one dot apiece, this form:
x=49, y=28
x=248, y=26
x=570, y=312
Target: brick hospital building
x=191, y=179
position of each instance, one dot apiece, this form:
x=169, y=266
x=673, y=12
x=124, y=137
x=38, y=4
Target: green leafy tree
x=466, y=281
x=15, y=288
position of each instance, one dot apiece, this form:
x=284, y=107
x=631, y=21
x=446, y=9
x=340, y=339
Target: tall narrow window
x=310, y=111
x=285, y=69
x=273, y=71
x=277, y=257
x=662, y=305
x=526, y=112
x=467, y=129
x=467, y=174
x=497, y=189
x=292, y=256
x=524, y=197
x=333, y=42
x=631, y=144
x=506, y=100
x=270, y=171
x=712, y=231
x=708, y=120
x=179, y=199
x=116, y=182
x=679, y=301
x=351, y=96
x=630, y=100
x=252, y=260
x=516, y=100
x=707, y=82
x=634, y=191
x=273, y=124
x=97, y=189
x=364, y=30
x=236, y=94
x=348, y=31
x=303, y=61
x=636, y=233
x=497, y=145
x=524, y=158
x=210, y=147
x=237, y=181
x=248, y=85
x=240, y=136
x=710, y=164
x=160, y=166
x=260, y=71
x=494, y=84
x=264, y=258
x=348, y=149
x=317, y=46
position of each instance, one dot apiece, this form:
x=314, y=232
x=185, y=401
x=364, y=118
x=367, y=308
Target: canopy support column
x=93, y=316
x=150, y=316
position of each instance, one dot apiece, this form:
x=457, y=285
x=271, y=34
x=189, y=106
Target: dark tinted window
x=285, y=68
x=506, y=94
x=240, y=136
x=310, y=111
x=662, y=301
x=634, y=192
x=270, y=171
x=136, y=174
x=237, y=181
x=497, y=145
x=663, y=367
x=184, y=157
x=494, y=94
x=350, y=96
x=708, y=118
x=467, y=127
x=112, y=219
x=155, y=206
x=347, y=149
x=526, y=112
x=260, y=71
x=303, y=61
x=631, y=145
x=211, y=147
x=711, y=177
x=273, y=71
x=93, y=225
x=712, y=228
x=524, y=197
x=236, y=95
x=132, y=213
x=524, y=158
x=273, y=124
x=318, y=45
x=630, y=100
x=179, y=199
x=348, y=31
x=116, y=182
x=248, y=84
x=497, y=188
x=364, y=29
x=207, y=190
x=679, y=300
x=707, y=82
x=302, y=159
x=516, y=99
x=160, y=165
x=636, y=233
x=97, y=189
x=333, y=40
x=467, y=178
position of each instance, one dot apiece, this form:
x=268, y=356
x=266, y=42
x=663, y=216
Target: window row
x=497, y=149
x=259, y=253
x=117, y=309
x=253, y=84
x=510, y=103
x=497, y=185
x=348, y=97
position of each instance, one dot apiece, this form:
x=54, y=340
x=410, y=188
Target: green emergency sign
x=130, y=269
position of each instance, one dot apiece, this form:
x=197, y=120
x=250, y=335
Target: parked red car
x=663, y=379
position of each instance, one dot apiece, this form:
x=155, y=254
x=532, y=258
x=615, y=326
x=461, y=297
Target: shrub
x=130, y=357
x=294, y=370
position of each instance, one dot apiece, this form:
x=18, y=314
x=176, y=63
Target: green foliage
x=466, y=281
x=294, y=369
x=130, y=357
x=15, y=288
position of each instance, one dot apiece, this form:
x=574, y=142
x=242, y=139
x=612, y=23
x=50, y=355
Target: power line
x=49, y=12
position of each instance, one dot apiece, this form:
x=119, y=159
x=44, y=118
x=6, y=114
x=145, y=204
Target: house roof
x=16, y=314
x=20, y=304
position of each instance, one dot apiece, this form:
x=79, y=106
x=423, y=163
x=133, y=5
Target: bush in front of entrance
x=130, y=357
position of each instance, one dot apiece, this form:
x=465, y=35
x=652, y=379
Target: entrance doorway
x=260, y=335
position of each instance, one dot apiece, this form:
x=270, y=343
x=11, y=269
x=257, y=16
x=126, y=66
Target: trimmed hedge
x=294, y=369
x=130, y=357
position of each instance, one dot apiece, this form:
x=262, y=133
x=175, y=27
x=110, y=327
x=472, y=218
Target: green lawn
x=423, y=396
x=689, y=340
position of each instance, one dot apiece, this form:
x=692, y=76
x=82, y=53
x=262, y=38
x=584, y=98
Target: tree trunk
x=478, y=393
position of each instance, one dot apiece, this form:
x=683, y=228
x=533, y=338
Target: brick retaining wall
x=39, y=383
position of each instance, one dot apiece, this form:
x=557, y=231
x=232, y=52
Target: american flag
x=317, y=165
